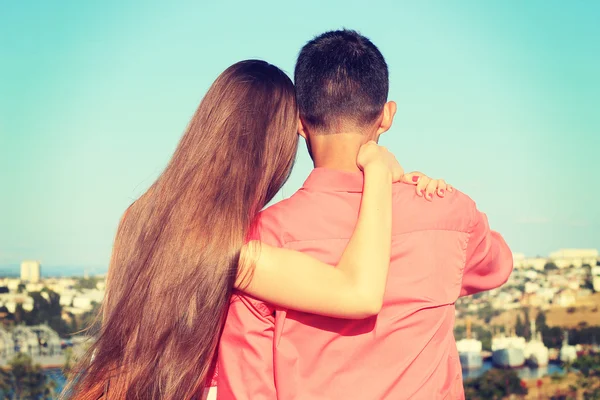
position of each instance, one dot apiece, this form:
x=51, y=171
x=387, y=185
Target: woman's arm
x=352, y=290
x=356, y=287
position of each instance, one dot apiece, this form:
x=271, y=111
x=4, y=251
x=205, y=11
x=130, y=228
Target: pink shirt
x=441, y=250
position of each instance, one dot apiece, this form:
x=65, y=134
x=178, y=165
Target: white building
x=565, y=298
x=10, y=301
x=537, y=263
x=31, y=271
x=547, y=294
x=85, y=301
x=519, y=260
x=531, y=287
x=531, y=274
x=564, y=258
x=11, y=283
x=596, y=278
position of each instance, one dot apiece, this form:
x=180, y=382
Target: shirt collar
x=333, y=180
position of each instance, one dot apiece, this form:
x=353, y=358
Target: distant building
x=565, y=258
x=596, y=278
x=533, y=300
x=519, y=260
x=31, y=271
x=531, y=287
x=565, y=298
x=25, y=271
x=536, y=263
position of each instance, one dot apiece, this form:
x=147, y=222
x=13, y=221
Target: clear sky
x=500, y=98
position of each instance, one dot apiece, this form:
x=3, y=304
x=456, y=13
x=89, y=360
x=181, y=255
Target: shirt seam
x=464, y=264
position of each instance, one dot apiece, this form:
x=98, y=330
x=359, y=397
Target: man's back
x=440, y=250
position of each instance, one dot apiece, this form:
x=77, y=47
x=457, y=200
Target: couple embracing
x=345, y=290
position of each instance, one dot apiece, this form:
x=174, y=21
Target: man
x=441, y=250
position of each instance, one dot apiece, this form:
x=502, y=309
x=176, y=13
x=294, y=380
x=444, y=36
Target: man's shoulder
x=457, y=209
x=270, y=223
x=275, y=209
x=453, y=212
x=460, y=201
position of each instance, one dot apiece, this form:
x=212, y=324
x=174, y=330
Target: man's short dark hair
x=341, y=79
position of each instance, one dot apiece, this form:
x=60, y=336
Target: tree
x=482, y=333
x=19, y=313
x=550, y=266
x=46, y=310
x=588, y=369
x=24, y=380
x=540, y=321
x=552, y=337
x=86, y=283
x=588, y=282
x=527, y=330
x=519, y=326
x=494, y=384
x=486, y=313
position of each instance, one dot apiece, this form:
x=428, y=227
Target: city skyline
x=498, y=99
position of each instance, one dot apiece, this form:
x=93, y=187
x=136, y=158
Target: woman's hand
x=371, y=156
x=426, y=186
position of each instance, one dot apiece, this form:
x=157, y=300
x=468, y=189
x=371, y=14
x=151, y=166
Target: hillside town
x=41, y=317
x=544, y=317
x=564, y=279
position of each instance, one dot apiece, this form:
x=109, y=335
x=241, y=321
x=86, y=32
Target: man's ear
x=301, y=130
x=389, y=110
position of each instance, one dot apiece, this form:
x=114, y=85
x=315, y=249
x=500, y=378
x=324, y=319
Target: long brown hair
x=176, y=252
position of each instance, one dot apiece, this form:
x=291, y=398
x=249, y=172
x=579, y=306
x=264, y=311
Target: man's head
x=342, y=85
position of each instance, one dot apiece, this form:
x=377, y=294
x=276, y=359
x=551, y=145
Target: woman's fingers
x=430, y=189
x=441, y=188
x=422, y=185
x=427, y=187
x=411, y=178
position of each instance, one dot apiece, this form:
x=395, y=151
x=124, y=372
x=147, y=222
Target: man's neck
x=337, y=151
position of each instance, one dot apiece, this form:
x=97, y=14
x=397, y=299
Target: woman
x=176, y=257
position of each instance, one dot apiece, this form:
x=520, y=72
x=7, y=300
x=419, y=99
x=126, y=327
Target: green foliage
x=46, y=310
x=519, y=326
x=520, y=288
x=588, y=369
x=550, y=266
x=588, y=365
x=486, y=313
x=482, y=333
x=522, y=327
x=86, y=283
x=582, y=335
x=552, y=337
x=494, y=384
x=527, y=323
x=24, y=380
x=540, y=321
x=19, y=313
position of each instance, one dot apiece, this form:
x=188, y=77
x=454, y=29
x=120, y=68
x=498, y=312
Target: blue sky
x=499, y=98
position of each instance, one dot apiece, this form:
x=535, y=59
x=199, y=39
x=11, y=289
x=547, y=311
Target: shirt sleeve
x=246, y=353
x=489, y=261
x=245, y=359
